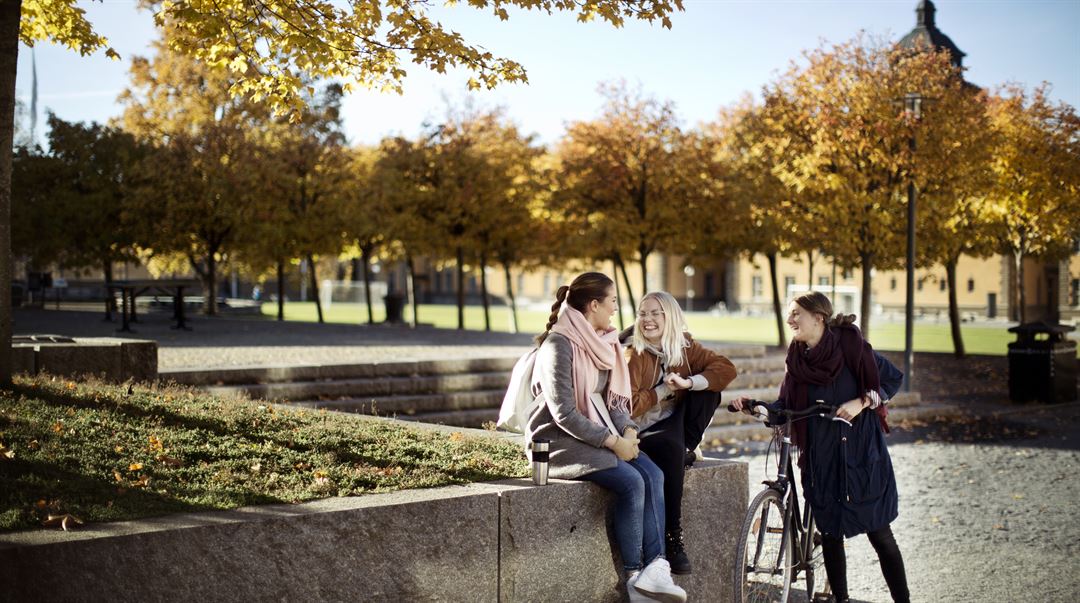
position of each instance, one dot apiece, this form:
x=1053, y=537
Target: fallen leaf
x=155, y=444
x=118, y=449
x=134, y=466
x=33, y=445
x=58, y=426
x=142, y=482
x=65, y=521
x=1017, y=496
x=41, y=503
x=457, y=436
x=7, y=453
x=117, y=475
x=70, y=385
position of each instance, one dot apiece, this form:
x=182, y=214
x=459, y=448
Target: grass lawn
x=105, y=453
x=929, y=337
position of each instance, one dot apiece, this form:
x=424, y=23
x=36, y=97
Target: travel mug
x=540, y=461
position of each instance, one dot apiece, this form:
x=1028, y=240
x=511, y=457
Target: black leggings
x=667, y=441
x=892, y=564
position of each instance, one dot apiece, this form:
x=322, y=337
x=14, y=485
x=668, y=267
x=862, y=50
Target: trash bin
x=395, y=307
x=1042, y=363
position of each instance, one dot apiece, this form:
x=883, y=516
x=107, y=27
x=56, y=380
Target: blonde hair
x=672, y=338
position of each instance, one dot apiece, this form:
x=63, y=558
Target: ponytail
x=560, y=297
x=841, y=320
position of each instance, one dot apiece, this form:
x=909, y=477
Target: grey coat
x=577, y=444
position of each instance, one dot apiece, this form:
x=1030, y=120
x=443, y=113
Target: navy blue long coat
x=848, y=475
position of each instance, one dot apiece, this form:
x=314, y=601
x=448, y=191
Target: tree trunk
x=10, y=15
x=460, y=287
x=644, y=272
x=1021, y=295
x=365, y=259
x=516, y=328
x=210, y=305
x=864, y=304
x=412, y=288
x=626, y=279
x=484, y=292
x=954, y=309
x=810, y=264
x=833, y=296
x=618, y=294
x=777, y=310
x=110, y=301
x=281, y=289
x=315, y=286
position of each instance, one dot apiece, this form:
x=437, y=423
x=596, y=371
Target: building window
x=918, y=285
x=823, y=281
x=892, y=284
x=755, y=287
x=847, y=274
x=971, y=285
x=547, y=284
x=520, y=283
x=789, y=282
x=941, y=285
x=1074, y=292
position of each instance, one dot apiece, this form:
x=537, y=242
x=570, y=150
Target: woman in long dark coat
x=847, y=474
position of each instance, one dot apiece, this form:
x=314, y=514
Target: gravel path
x=986, y=508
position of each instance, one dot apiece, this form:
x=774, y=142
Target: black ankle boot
x=676, y=552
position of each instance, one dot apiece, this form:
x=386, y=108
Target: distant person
x=583, y=380
x=847, y=474
x=677, y=384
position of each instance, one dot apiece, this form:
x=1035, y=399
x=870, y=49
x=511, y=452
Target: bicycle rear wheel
x=764, y=553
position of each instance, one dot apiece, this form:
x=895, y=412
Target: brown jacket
x=646, y=372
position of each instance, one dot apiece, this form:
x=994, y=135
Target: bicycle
x=776, y=541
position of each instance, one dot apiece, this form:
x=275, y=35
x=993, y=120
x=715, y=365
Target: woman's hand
x=851, y=409
x=675, y=382
x=625, y=448
x=742, y=403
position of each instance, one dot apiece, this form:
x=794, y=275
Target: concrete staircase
x=460, y=392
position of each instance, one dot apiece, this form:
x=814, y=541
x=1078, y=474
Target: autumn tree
x=841, y=106
x=364, y=210
x=624, y=167
x=952, y=175
x=271, y=48
x=1036, y=178
x=201, y=187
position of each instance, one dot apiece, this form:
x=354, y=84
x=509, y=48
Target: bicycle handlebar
x=818, y=409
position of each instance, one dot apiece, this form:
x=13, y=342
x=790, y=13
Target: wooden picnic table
x=129, y=289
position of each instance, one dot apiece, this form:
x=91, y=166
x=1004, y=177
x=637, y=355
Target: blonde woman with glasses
x=676, y=384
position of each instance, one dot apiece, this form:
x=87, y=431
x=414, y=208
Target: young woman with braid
x=677, y=384
x=847, y=474
x=581, y=375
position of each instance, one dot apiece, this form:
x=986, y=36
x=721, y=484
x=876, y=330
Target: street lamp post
x=689, y=272
x=913, y=107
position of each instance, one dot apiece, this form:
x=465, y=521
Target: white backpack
x=518, y=403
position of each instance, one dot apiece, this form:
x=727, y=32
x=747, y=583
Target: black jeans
x=667, y=441
x=892, y=564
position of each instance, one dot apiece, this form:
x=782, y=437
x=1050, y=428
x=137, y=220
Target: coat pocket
x=867, y=468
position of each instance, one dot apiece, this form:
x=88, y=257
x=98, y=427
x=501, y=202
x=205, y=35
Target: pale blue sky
x=716, y=51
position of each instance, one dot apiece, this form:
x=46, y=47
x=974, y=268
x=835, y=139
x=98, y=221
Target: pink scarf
x=593, y=353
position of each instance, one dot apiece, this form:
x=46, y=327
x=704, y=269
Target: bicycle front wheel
x=765, y=551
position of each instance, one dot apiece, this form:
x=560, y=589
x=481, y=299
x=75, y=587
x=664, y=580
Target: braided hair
x=585, y=288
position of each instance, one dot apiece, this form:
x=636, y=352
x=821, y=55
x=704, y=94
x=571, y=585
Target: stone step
x=411, y=404
x=772, y=362
x=758, y=380
x=736, y=350
x=352, y=388
x=474, y=418
x=370, y=370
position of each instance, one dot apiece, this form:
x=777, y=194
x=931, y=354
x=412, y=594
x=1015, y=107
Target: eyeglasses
x=653, y=315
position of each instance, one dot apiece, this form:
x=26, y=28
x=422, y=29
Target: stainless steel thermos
x=540, y=461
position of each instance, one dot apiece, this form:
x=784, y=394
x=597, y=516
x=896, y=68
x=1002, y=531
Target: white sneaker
x=633, y=593
x=656, y=583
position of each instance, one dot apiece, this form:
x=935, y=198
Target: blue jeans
x=639, y=508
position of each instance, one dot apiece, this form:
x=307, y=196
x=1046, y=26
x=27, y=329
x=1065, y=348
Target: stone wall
x=111, y=358
x=500, y=541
